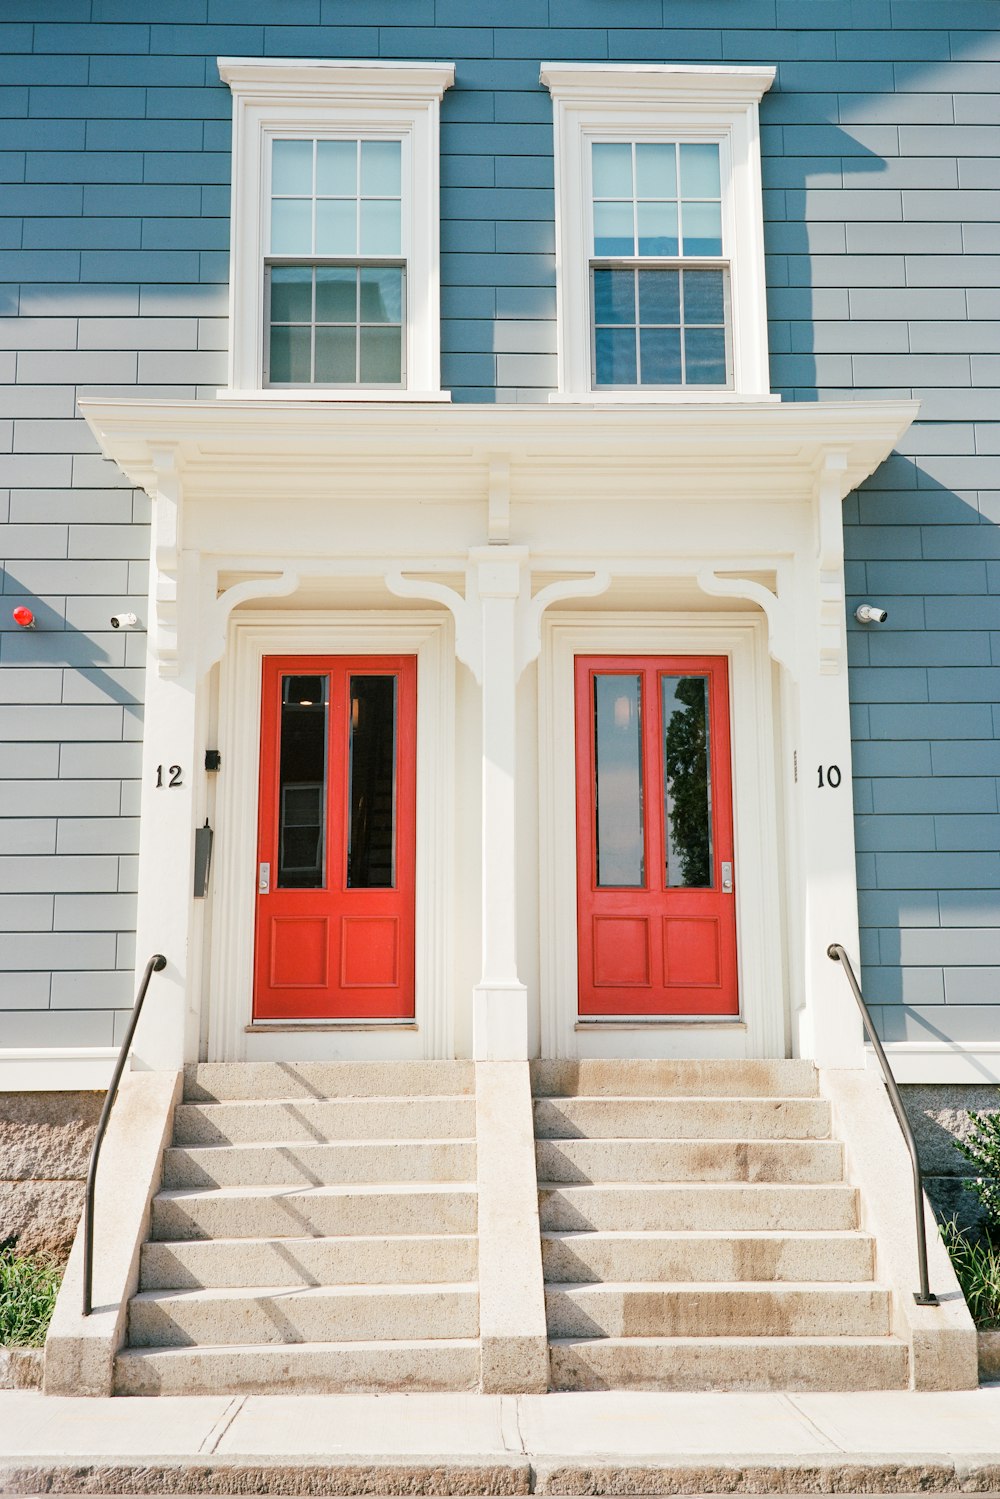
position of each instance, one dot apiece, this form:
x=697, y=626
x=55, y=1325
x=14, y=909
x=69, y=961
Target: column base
x=500, y=1023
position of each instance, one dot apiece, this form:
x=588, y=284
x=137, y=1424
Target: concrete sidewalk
x=461, y=1444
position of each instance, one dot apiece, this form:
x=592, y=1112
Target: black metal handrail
x=156, y=963
x=925, y=1296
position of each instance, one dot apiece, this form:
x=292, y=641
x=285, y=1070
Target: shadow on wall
x=939, y=1115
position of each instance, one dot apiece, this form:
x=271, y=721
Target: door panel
x=656, y=921
x=336, y=829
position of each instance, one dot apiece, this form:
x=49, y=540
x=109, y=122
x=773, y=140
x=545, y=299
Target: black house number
x=832, y=776
x=174, y=774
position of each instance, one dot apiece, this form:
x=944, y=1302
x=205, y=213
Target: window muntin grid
x=336, y=324
x=660, y=297
x=336, y=197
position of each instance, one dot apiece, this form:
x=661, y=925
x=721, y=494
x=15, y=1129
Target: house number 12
x=173, y=771
x=832, y=774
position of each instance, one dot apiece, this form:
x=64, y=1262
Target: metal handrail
x=155, y=965
x=925, y=1296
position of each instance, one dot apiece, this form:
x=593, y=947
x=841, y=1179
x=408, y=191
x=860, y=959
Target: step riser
x=311, y=1262
x=696, y=1160
x=296, y=1215
x=704, y=1365
x=686, y=1208
x=588, y=1257
x=310, y=1318
x=682, y=1119
x=209, y=1082
x=699, y=1079
x=319, y=1165
x=267, y=1122
x=731, y=1313
x=276, y=1370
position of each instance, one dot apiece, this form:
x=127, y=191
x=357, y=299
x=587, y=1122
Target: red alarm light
x=24, y=617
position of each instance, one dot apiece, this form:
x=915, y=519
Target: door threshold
x=270, y=1028
x=661, y=1023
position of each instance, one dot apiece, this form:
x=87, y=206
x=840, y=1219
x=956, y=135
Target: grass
x=28, y=1287
x=977, y=1265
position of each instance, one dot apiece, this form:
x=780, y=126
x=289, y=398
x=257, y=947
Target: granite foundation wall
x=45, y=1141
x=939, y=1115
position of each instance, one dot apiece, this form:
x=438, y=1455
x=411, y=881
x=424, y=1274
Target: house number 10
x=173, y=771
x=832, y=774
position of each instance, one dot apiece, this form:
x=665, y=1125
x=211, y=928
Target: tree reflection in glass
x=687, y=788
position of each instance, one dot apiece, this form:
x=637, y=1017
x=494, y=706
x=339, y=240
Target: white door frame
x=760, y=1030
x=253, y=635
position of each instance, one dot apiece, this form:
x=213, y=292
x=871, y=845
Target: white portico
x=497, y=547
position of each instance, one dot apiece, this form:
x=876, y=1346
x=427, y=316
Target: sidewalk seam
x=222, y=1425
x=832, y=1445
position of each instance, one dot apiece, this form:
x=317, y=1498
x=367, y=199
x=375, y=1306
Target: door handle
x=727, y=879
x=263, y=879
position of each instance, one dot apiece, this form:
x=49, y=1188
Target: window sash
x=637, y=264
x=357, y=264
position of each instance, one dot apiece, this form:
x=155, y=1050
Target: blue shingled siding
x=881, y=144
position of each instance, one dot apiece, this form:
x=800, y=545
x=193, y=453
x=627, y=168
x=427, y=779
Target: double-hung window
x=335, y=282
x=659, y=232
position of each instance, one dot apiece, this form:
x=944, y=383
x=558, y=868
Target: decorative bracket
x=780, y=634
x=530, y=623
x=212, y=642
x=166, y=557
x=468, y=641
x=830, y=491
x=498, y=513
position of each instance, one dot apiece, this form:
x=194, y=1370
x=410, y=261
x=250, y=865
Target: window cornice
x=628, y=84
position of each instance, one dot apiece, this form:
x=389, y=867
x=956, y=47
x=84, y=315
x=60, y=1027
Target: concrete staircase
x=698, y=1232
x=315, y=1231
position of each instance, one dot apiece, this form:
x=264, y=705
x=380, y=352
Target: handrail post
x=155, y=965
x=925, y=1296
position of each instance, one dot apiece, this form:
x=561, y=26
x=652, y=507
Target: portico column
x=500, y=999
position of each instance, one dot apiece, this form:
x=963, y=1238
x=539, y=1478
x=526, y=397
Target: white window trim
x=649, y=101
x=278, y=96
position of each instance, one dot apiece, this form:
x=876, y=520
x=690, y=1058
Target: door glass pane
x=618, y=781
x=302, y=783
x=371, y=849
x=687, y=788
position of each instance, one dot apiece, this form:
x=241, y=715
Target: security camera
x=871, y=614
x=124, y=621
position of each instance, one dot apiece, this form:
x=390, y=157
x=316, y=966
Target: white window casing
x=659, y=102
x=279, y=98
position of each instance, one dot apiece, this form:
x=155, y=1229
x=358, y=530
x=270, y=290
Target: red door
x=336, y=838
x=656, y=912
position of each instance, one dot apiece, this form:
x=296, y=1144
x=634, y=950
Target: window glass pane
x=291, y=294
x=289, y=359
x=660, y=356
x=658, y=228
x=381, y=356
x=614, y=232
x=618, y=825
x=380, y=226
x=336, y=226
x=702, y=229
x=336, y=294
x=656, y=171
x=291, y=167
x=371, y=848
x=614, y=356
x=704, y=297
x=336, y=356
x=337, y=168
x=705, y=356
x=612, y=170
x=381, y=294
x=302, y=783
x=381, y=169
x=700, y=172
x=291, y=226
x=614, y=297
x=659, y=297
x=687, y=791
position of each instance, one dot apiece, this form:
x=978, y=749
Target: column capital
x=498, y=571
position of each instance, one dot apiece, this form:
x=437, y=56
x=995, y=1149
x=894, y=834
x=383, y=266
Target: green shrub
x=977, y=1265
x=983, y=1149
x=28, y=1287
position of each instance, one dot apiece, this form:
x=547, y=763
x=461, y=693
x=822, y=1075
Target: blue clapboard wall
x=881, y=146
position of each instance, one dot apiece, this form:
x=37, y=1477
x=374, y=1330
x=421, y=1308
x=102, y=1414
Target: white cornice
x=630, y=83
x=296, y=78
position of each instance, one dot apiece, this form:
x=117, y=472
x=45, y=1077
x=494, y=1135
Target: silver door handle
x=727, y=879
x=263, y=879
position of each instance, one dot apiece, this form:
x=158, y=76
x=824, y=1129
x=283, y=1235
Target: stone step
x=317, y=1212
x=707, y=1256
x=646, y=1118
x=301, y=1368
x=709, y=1205
x=383, y=1260
x=283, y=1163
x=318, y=1313
x=690, y=1160
x=269, y=1121
x=221, y=1082
x=789, y=1363
x=629, y=1078
x=700, y=1310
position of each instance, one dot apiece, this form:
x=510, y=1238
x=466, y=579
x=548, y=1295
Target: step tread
x=307, y=1292
x=696, y=1186
x=288, y=1242
x=721, y=1288
x=385, y=1345
x=793, y=1340
x=366, y=1143
x=297, y=1189
x=691, y=1235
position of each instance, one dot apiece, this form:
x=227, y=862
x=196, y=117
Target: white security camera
x=124, y=621
x=871, y=614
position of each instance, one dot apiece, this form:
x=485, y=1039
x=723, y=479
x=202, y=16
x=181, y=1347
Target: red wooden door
x=655, y=905
x=336, y=838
